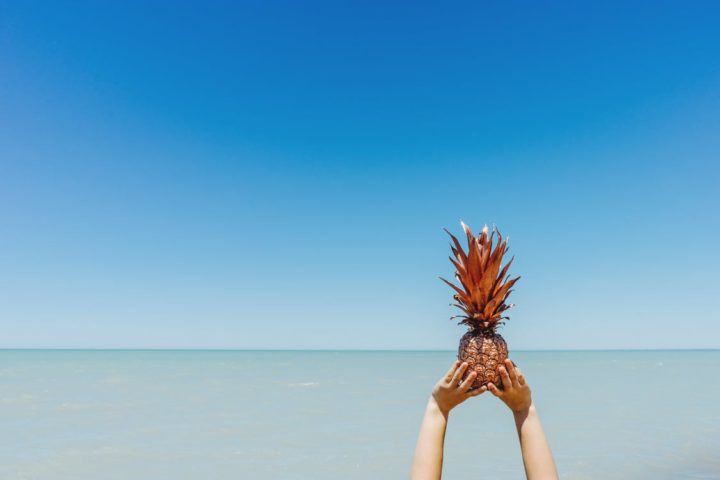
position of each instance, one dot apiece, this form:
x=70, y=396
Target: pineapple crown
x=485, y=287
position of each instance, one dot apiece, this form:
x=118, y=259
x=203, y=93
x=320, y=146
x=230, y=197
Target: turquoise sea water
x=350, y=415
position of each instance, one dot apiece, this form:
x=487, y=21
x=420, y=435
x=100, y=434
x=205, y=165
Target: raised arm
x=537, y=458
x=447, y=394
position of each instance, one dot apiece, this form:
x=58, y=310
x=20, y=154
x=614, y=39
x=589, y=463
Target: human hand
x=450, y=392
x=515, y=393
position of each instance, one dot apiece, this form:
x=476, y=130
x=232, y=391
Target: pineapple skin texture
x=484, y=352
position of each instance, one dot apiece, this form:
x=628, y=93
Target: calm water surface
x=352, y=415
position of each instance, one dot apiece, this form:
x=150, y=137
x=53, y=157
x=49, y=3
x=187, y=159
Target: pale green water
x=350, y=415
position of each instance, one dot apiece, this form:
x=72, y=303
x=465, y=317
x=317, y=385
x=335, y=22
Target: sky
x=278, y=174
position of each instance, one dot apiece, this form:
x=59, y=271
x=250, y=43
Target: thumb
x=494, y=389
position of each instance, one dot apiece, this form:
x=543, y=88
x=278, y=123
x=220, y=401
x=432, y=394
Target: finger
x=510, y=367
x=449, y=374
x=520, y=376
x=477, y=391
x=459, y=373
x=507, y=383
x=494, y=389
x=465, y=385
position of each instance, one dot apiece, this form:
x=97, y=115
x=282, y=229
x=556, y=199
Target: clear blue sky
x=277, y=175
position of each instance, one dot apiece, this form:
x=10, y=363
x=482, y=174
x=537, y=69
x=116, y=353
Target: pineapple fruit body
x=484, y=352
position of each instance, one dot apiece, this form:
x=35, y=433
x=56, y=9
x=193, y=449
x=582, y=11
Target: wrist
x=524, y=411
x=434, y=408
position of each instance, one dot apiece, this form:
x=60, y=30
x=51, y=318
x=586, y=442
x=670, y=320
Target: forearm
x=427, y=462
x=537, y=458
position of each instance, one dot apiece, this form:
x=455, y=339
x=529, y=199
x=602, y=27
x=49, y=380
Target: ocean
x=84, y=414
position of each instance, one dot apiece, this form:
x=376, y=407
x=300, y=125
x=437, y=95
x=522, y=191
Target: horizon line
x=196, y=349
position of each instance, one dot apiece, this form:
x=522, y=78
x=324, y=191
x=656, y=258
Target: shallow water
x=329, y=415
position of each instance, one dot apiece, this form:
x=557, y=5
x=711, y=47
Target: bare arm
x=537, y=457
x=447, y=394
x=428, y=459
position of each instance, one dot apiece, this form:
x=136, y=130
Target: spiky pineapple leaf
x=484, y=280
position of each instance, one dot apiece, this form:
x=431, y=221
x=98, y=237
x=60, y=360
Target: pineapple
x=484, y=289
